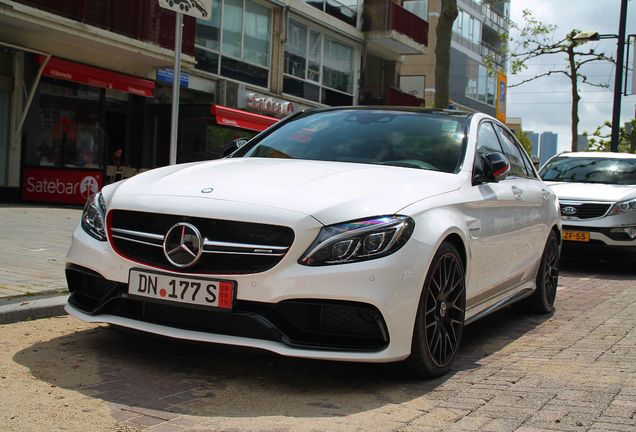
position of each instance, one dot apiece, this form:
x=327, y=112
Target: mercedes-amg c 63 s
x=356, y=234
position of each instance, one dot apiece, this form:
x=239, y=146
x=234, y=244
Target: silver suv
x=597, y=195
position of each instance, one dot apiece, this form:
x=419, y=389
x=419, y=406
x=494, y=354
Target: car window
x=487, y=142
x=515, y=153
x=590, y=170
x=430, y=141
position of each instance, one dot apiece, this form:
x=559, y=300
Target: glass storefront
x=64, y=128
x=200, y=136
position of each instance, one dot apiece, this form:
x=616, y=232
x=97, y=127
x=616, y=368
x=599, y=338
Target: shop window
x=236, y=41
x=317, y=67
x=63, y=128
x=4, y=131
x=243, y=72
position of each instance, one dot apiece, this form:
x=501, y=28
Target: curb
x=30, y=308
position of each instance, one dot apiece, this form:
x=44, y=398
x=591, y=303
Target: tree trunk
x=575, y=98
x=444, y=32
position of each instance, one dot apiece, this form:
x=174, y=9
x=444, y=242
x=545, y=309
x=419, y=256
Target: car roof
x=599, y=155
x=423, y=110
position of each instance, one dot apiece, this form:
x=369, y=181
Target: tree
x=600, y=139
x=536, y=40
x=524, y=140
x=444, y=32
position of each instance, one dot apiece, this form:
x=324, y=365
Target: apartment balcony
x=388, y=96
x=142, y=20
x=393, y=31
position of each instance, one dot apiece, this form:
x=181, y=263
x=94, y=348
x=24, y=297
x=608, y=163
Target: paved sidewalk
x=573, y=371
x=33, y=243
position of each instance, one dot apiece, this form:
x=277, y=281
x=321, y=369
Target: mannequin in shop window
x=117, y=163
x=65, y=140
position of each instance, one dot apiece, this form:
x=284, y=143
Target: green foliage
x=525, y=141
x=600, y=139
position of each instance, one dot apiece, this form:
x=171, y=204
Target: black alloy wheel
x=542, y=299
x=440, y=318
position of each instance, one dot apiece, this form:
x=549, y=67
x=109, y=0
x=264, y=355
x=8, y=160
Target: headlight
x=358, y=240
x=623, y=207
x=93, y=216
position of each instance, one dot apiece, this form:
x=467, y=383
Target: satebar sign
x=269, y=105
x=61, y=186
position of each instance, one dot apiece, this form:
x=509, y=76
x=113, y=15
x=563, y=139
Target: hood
x=329, y=191
x=592, y=191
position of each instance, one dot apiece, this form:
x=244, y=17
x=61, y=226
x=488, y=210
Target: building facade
x=475, y=37
x=548, y=146
x=86, y=86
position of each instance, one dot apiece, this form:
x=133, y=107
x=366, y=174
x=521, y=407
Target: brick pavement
x=34, y=242
x=573, y=371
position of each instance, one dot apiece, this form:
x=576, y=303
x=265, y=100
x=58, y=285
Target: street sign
x=196, y=8
x=167, y=75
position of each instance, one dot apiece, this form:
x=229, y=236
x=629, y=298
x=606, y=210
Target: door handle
x=518, y=193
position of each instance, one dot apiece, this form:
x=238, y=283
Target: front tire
x=440, y=316
x=543, y=298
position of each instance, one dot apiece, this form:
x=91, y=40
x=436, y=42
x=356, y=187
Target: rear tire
x=439, y=323
x=543, y=298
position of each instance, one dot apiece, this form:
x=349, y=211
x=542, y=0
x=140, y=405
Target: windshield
x=590, y=170
x=431, y=141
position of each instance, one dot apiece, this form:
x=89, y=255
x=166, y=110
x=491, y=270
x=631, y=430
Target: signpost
x=199, y=9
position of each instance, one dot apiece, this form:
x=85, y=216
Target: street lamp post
x=618, y=80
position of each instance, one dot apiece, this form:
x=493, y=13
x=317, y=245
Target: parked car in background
x=597, y=196
x=353, y=234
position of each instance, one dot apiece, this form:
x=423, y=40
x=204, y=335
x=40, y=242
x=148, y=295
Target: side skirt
x=501, y=304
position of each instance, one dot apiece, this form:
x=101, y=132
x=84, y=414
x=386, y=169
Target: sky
x=544, y=104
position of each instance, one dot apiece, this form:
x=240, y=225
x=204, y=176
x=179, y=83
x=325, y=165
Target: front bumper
x=355, y=312
x=599, y=236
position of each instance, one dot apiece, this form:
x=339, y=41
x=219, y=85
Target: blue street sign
x=167, y=75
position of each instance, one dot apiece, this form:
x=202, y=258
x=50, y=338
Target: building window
x=239, y=48
x=417, y=7
x=344, y=10
x=468, y=27
x=480, y=84
x=317, y=67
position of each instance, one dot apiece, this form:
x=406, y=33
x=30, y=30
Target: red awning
x=92, y=76
x=241, y=119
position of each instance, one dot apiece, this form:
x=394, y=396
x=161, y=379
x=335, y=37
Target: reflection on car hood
x=592, y=191
x=329, y=191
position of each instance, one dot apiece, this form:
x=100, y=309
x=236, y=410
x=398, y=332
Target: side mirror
x=497, y=166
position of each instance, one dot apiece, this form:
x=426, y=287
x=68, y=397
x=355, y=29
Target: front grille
x=231, y=247
x=585, y=210
x=314, y=324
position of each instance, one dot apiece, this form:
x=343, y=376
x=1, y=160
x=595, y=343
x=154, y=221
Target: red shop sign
x=62, y=186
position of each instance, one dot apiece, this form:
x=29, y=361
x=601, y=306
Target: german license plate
x=213, y=293
x=580, y=236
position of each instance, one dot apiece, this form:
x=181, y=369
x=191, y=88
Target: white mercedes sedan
x=353, y=234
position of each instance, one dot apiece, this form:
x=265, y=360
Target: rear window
x=404, y=139
x=590, y=170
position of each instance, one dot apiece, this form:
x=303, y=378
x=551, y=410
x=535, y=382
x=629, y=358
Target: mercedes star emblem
x=183, y=245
